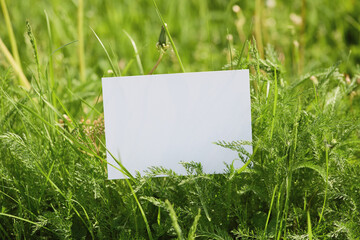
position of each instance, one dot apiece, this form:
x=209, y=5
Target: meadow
x=302, y=180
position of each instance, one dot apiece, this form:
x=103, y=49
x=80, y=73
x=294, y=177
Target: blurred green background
x=318, y=31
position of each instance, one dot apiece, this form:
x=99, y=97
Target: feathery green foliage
x=301, y=182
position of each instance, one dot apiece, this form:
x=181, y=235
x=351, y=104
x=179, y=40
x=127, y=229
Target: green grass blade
x=191, y=235
x=239, y=61
x=50, y=75
x=107, y=54
x=230, y=48
x=174, y=220
x=309, y=225
x=270, y=209
x=169, y=36
x=80, y=33
x=5, y=232
x=141, y=209
x=23, y=80
x=138, y=60
x=275, y=103
x=59, y=48
x=25, y=220
x=35, y=50
x=250, y=159
x=51, y=64
x=327, y=180
x=11, y=34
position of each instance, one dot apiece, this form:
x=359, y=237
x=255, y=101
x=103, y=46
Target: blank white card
x=161, y=120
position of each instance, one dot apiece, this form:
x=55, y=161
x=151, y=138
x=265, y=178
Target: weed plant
x=301, y=182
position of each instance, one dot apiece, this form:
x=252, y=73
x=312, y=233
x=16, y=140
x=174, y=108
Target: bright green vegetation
x=303, y=180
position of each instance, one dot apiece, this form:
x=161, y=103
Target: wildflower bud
x=296, y=19
x=314, y=80
x=296, y=43
x=161, y=44
x=347, y=79
x=229, y=37
x=270, y=3
x=236, y=9
x=67, y=118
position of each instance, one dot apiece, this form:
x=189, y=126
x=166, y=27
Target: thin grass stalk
x=59, y=48
x=5, y=232
x=51, y=64
x=290, y=170
x=157, y=63
x=87, y=217
x=23, y=80
x=228, y=193
x=141, y=209
x=169, y=36
x=11, y=34
x=134, y=213
x=297, y=217
x=255, y=54
x=138, y=60
x=80, y=32
x=258, y=34
x=116, y=59
x=117, y=73
x=302, y=35
x=51, y=85
x=243, y=48
x=310, y=235
x=270, y=209
x=39, y=75
x=274, y=107
x=47, y=177
x=230, y=49
x=239, y=62
x=158, y=219
x=25, y=220
x=86, y=103
x=36, y=55
x=288, y=180
x=327, y=180
x=250, y=159
x=315, y=94
x=278, y=208
x=286, y=204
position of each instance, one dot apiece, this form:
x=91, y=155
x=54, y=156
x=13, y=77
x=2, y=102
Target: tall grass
x=302, y=180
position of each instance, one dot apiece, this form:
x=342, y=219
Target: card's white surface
x=160, y=120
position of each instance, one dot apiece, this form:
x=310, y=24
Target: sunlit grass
x=302, y=180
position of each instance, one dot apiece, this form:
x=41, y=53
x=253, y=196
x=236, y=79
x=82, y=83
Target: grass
x=301, y=182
